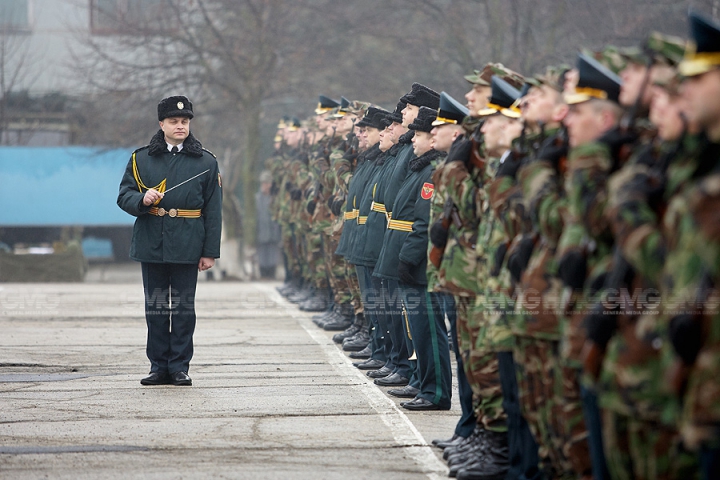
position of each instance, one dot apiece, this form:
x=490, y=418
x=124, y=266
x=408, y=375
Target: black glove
x=439, y=234
x=337, y=206
x=616, y=138
x=519, y=259
x=550, y=152
x=288, y=186
x=350, y=156
x=311, y=207
x=686, y=337
x=509, y=166
x=404, y=274
x=572, y=270
x=330, y=201
x=460, y=151
x=600, y=324
x=498, y=260
x=296, y=194
x=274, y=189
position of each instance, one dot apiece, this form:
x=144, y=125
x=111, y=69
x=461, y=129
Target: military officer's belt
x=175, y=212
x=351, y=215
x=378, y=207
x=362, y=219
x=401, y=225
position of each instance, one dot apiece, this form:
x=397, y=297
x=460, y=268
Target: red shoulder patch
x=427, y=191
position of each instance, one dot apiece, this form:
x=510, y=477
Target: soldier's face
x=345, y=124
x=633, y=76
x=494, y=135
x=665, y=114
x=584, y=124
x=361, y=133
x=321, y=122
x=444, y=136
x=422, y=143
x=409, y=114
x=540, y=104
x=702, y=96
x=330, y=125
x=397, y=130
x=176, y=129
x=477, y=99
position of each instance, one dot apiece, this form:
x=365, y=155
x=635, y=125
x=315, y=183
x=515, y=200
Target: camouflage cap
x=610, y=56
x=554, y=76
x=357, y=107
x=658, y=48
x=484, y=76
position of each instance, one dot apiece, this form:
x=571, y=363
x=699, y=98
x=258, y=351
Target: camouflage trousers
x=642, y=450
x=291, y=251
x=317, y=273
x=354, y=284
x=541, y=401
x=336, y=270
x=481, y=368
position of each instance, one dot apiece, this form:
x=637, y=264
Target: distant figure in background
x=268, y=231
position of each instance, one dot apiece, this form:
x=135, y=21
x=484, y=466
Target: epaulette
x=208, y=151
x=141, y=148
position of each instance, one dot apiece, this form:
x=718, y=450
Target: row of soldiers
x=564, y=225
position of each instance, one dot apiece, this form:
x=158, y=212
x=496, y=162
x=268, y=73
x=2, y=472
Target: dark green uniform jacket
x=361, y=176
x=387, y=187
x=169, y=239
x=368, y=240
x=412, y=204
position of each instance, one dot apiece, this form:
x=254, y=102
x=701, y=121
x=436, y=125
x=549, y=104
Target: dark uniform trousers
x=468, y=421
x=370, y=299
x=396, y=323
x=430, y=340
x=170, y=314
x=376, y=300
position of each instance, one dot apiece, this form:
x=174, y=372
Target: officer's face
x=444, y=136
x=422, y=143
x=477, y=99
x=397, y=130
x=633, y=76
x=321, y=122
x=176, y=129
x=330, y=125
x=345, y=124
x=361, y=133
x=386, y=139
x=409, y=114
x=702, y=96
x=372, y=135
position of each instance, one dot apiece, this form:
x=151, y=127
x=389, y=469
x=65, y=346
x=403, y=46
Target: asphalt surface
x=272, y=395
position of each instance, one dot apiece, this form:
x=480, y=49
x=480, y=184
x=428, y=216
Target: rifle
x=449, y=214
x=477, y=140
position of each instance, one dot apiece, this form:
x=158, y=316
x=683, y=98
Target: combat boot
x=318, y=302
x=473, y=441
x=302, y=295
x=344, y=320
x=322, y=317
x=349, y=332
x=493, y=465
x=358, y=341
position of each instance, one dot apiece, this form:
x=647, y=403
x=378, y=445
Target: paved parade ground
x=272, y=395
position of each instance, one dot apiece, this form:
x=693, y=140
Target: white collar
x=179, y=147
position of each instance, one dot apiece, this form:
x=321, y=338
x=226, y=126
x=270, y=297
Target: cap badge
x=180, y=105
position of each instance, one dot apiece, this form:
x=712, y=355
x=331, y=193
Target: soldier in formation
x=559, y=233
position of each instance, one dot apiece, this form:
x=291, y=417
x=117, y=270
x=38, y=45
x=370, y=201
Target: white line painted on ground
x=402, y=428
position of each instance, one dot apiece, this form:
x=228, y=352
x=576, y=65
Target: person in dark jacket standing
x=173, y=187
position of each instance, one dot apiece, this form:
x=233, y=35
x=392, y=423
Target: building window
x=15, y=15
x=124, y=17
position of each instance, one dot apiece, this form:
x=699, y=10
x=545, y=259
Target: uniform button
x=657, y=343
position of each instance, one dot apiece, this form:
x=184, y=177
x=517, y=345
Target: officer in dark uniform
x=173, y=187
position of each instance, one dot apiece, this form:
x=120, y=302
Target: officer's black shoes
x=392, y=380
x=180, y=379
x=383, y=372
x=370, y=364
x=156, y=378
x=419, y=404
x=364, y=353
x=408, y=391
x=443, y=444
x=357, y=343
